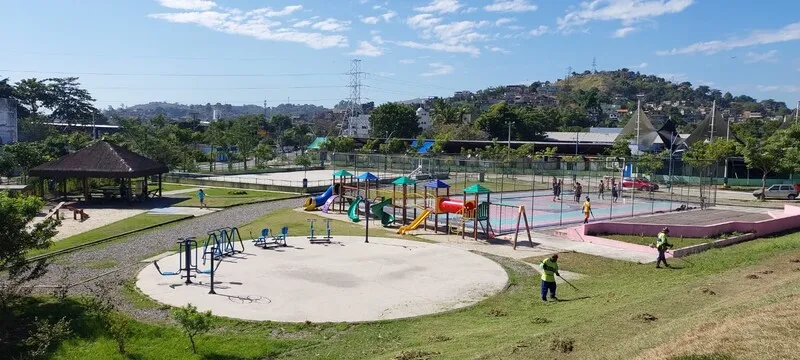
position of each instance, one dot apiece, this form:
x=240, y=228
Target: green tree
x=303, y=160
x=71, y=103
x=264, y=153
x=443, y=112
x=496, y=121
x=439, y=143
x=244, y=133
x=192, y=322
x=621, y=148
x=7, y=164
x=33, y=94
x=649, y=163
x=26, y=155
x=393, y=146
x=769, y=155
x=393, y=119
x=339, y=144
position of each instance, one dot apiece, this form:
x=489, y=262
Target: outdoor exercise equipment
x=269, y=239
x=187, y=268
x=224, y=241
x=320, y=240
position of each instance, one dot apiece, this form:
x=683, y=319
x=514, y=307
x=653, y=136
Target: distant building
x=8, y=122
x=358, y=126
x=547, y=89
x=752, y=115
x=424, y=118
x=463, y=95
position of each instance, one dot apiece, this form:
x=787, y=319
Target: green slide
x=386, y=218
x=353, y=211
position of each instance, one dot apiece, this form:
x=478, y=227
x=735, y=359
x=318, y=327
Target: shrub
x=192, y=322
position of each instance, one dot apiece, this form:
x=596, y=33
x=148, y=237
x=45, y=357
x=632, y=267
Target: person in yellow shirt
x=587, y=210
x=662, y=245
x=549, y=273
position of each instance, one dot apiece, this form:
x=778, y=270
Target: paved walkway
x=349, y=280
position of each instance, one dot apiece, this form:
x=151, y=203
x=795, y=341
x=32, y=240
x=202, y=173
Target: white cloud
x=388, y=16
x=459, y=32
x=407, y=61
x=781, y=88
x=386, y=74
x=370, y=20
x=623, y=32
x=769, y=56
x=540, y=30
x=502, y=21
x=510, y=6
x=789, y=32
x=331, y=24
x=515, y=27
x=255, y=24
x=438, y=69
x=470, y=10
x=626, y=11
x=200, y=5
x=378, y=40
x=497, y=49
x=303, y=23
x=376, y=7
x=459, y=48
x=642, y=65
x=440, y=6
x=420, y=21
x=367, y=49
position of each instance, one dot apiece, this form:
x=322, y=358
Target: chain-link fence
x=553, y=190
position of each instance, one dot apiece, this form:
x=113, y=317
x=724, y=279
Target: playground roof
x=367, y=176
x=437, y=184
x=477, y=189
x=341, y=173
x=318, y=142
x=100, y=160
x=424, y=148
x=405, y=180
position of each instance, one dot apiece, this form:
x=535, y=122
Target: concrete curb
x=695, y=249
x=100, y=241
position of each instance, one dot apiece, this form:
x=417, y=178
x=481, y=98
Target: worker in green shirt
x=549, y=271
x=662, y=245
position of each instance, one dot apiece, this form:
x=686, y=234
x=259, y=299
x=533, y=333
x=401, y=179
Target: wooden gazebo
x=103, y=160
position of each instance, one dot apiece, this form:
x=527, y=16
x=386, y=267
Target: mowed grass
x=647, y=240
x=173, y=187
x=219, y=197
x=133, y=223
x=739, y=302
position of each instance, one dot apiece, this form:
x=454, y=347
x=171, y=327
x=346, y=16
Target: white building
x=424, y=118
x=358, y=126
x=8, y=122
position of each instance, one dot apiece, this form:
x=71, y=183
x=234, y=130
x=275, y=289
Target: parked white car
x=777, y=191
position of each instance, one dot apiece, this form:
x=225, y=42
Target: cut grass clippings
x=647, y=240
x=130, y=224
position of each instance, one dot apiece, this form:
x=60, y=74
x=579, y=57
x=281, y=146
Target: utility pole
x=576, y=142
x=638, y=119
x=594, y=65
x=713, y=112
x=265, y=115
x=509, y=123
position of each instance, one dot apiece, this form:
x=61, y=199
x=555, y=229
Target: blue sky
x=238, y=51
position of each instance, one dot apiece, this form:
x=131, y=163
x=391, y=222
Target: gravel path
x=95, y=261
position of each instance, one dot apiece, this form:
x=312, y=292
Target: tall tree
x=769, y=155
x=71, y=103
x=33, y=94
x=245, y=135
x=393, y=119
x=496, y=121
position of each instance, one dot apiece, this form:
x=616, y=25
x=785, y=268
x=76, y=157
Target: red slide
x=452, y=207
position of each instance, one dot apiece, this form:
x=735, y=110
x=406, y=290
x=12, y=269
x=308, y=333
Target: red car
x=640, y=184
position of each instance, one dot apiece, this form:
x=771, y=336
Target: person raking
x=549, y=272
x=662, y=245
x=587, y=210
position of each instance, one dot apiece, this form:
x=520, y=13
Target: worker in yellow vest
x=549, y=272
x=662, y=245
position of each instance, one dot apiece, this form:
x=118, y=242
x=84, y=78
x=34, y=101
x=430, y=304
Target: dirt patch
x=796, y=261
x=540, y=320
x=752, y=276
x=645, y=317
x=497, y=313
x=708, y=291
x=766, y=272
x=796, y=269
x=416, y=355
x=562, y=345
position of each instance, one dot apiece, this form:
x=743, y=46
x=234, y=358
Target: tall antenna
x=354, y=103
x=594, y=65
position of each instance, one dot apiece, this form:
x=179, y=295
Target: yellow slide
x=414, y=224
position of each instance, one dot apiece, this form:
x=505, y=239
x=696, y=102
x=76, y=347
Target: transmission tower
x=594, y=65
x=354, y=103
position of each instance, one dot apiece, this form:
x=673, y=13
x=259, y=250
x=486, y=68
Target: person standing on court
x=662, y=245
x=578, y=192
x=614, y=193
x=555, y=189
x=587, y=210
x=549, y=273
x=202, y=195
x=601, y=188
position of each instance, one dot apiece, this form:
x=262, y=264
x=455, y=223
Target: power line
x=244, y=102
x=217, y=88
x=164, y=74
x=405, y=82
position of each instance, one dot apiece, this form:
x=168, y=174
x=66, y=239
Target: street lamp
x=509, y=123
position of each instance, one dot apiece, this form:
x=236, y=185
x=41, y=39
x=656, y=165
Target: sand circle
x=348, y=281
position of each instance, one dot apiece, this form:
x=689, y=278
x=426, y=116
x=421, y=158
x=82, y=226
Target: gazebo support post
x=159, y=185
x=86, y=196
x=64, y=189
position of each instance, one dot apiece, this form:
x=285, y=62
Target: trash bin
x=305, y=183
x=481, y=175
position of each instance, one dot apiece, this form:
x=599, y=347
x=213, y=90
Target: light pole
x=638, y=119
x=577, y=133
x=509, y=123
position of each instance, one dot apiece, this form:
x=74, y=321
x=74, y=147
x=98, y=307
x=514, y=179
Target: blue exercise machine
x=187, y=267
x=223, y=243
x=320, y=240
x=266, y=242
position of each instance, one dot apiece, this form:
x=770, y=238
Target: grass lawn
x=299, y=226
x=137, y=222
x=738, y=302
x=219, y=197
x=647, y=240
x=171, y=187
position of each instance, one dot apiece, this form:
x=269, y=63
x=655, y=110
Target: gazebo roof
x=404, y=180
x=100, y=160
x=477, y=189
x=437, y=184
x=341, y=173
x=367, y=176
